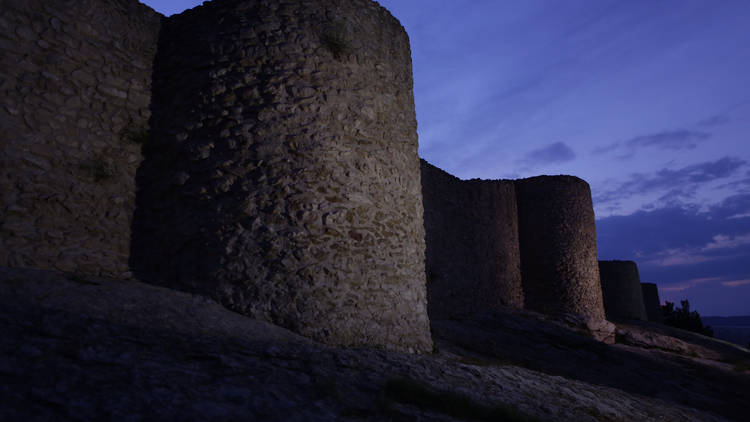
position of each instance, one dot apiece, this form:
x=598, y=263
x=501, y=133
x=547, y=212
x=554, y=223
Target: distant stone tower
x=621, y=288
x=557, y=235
x=473, y=262
x=283, y=177
x=651, y=301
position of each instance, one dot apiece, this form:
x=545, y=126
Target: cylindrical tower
x=557, y=236
x=473, y=262
x=283, y=177
x=621, y=290
x=651, y=301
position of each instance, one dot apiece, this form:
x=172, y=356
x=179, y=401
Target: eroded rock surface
x=89, y=348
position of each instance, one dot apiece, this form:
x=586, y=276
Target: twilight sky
x=647, y=100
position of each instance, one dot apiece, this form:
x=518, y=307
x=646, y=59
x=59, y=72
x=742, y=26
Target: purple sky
x=649, y=101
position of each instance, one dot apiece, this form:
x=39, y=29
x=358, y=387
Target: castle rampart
x=273, y=166
x=522, y=243
x=472, y=257
x=621, y=289
x=557, y=235
x=651, y=302
x=283, y=176
x=75, y=86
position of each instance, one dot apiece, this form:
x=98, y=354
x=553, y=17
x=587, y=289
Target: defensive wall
x=651, y=301
x=621, y=288
x=278, y=173
x=523, y=243
x=264, y=153
x=472, y=257
x=75, y=87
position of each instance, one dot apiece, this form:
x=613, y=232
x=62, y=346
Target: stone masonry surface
x=75, y=86
x=276, y=170
x=472, y=258
x=282, y=177
x=557, y=235
x=651, y=301
x=621, y=290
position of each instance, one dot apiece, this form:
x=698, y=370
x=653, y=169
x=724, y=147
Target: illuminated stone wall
x=283, y=177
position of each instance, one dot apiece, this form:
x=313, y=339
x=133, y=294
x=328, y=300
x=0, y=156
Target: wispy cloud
x=679, y=257
x=735, y=283
x=714, y=250
x=715, y=120
x=678, y=183
x=689, y=284
x=558, y=152
x=669, y=140
x=672, y=140
x=678, y=287
x=733, y=207
x=722, y=241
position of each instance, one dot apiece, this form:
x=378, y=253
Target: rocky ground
x=86, y=348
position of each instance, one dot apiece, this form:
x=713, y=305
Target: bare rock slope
x=85, y=348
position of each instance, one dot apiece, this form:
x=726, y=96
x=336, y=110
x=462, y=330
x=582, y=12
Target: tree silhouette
x=684, y=318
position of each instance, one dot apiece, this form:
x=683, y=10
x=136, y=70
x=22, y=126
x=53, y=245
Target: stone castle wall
x=557, y=235
x=283, y=176
x=651, y=302
x=75, y=86
x=621, y=289
x=276, y=170
x=472, y=255
x=522, y=243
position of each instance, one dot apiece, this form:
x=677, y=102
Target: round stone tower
x=621, y=290
x=557, y=236
x=651, y=301
x=282, y=177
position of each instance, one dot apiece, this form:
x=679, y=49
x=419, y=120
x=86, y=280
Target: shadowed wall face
x=75, y=86
x=472, y=261
x=284, y=178
x=557, y=236
x=651, y=301
x=621, y=289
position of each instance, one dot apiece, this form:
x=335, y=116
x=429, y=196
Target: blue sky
x=647, y=100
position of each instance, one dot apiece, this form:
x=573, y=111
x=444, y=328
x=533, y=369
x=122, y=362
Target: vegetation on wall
x=334, y=39
x=136, y=135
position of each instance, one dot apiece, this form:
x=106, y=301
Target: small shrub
x=99, y=168
x=334, y=39
x=140, y=135
x=684, y=318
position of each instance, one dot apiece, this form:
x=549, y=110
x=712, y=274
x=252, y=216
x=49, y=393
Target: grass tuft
x=334, y=39
x=99, y=168
x=139, y=135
